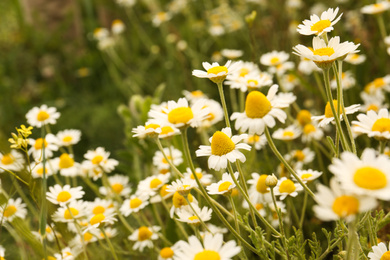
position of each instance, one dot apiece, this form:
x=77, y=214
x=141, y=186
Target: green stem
x=109, y=244
x=43, y=215
x=381, y=24
x=79, y=232
x=303, y=211
x=222, y=96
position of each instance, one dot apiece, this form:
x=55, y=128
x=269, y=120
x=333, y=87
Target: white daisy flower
x=215, y=72
x=49, y=143
x=37, y=169
x=119, y=186
x=244, y=68
x=308, y=175
x=134, y=204
x=100, y=33
x=213, y=248
x=224, y=186
x=347, y=81
x=317, y=25
x=179, y=201
x=231, y=54
x=369, y=176
x=311, y=132
x=195, y=95
x=382, y=83
x=13, y=209
x=117, y=27
x=74, y=210
x=100, y=158
x=66, y=165
x=373, y=124
x=182, y=186
x=274, y=58
x=97, y=220
x=99, y=206
x=372, y=101
x=168, y=253
x=289, y=81
x=162, y=195
x=161, y=17
x=187, y=215
x=258, y=191
x=213, y=230
x=224, y=147
x=334, y=203
x=282, y=68
x=355, y=58
x=88, y=237
x=287, y=134
x=380, y=251
x=215, y=113
x=204, y=178
x=64, y=195
x=39, y=116
x=144, y=237
x=250, y=81
x=168, y=131
x=257, y=141
x=68, y=253
x=68, y=137
x=110, y=232
x=2, y=252
x=12, y=161
x=49, y=234
x=149, y=130
x=151, y=185
x=173, y=154
x=377, y=8
x=307, y=66
x=300, y=157
x=287, y=187
x=328, y=116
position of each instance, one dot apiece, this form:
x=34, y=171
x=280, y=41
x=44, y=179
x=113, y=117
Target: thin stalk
x=43, y=215
x=173, y=167
x=381, y=24
x=382, y=144
x=78, y=228
x=303, y=211
x=320, y=86
x=222, y=96
x=234, y=213
x=109, y=244
x=352, y=241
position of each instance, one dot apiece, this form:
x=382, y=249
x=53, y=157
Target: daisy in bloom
x=287, y=134
x=39, y=116
x=325, y=54
x=215, y=115
x=180, y=115
x=244, y=68
x=373, y=124
x=274, y=58
x=307, y=66
x=179, y=201
x=317, y=25
x=49, y=233
x=99, y=206
x=63, y=195
x=213, y=230
x=88, y=237
x=215, y=72
x=231, y=54
x=13, y=209
x=369, y=176
x=260, y=111
x=186, y=214
x=49, y=143
x=66, y=165
x=334, y=203
x=144, y=237
x=117, y=27
x=168, y=253
x=97, y=220
x=355, y=58
x=168, y=131
x=213, y=248
x=195, y=95
x=110, y=232
x=149, y=130
x=377, y=8
x=347, y=81
x=308, y=175
x=303, y=117
x=224, y=186
x=382, y=83
x=183, y=186
x=161, y=17
x=380, y=252
x=68, y=253
x=311, y=132
x=134, y=204
x=328, y=116
x=287, y=187
x=250, y=81
x=223, y=147
x=100, y=33
x=300, y=157
x=258, y=191
x=151, y=185
x=372, y=101
x=162, y=195
x=289, y=81
x=13, y=161
x=174, y=155
x=37, y=169
x=68, y=137
x=203, y=177
x=282, y=68
x=257, y=141
x=100, y=158
x=74, y=210
x=119, y=186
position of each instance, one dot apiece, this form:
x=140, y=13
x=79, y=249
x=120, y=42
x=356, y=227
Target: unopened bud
x=271, y=181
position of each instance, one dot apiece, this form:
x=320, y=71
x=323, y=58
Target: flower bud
x=271, y=181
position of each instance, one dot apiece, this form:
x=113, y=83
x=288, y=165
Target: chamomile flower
x=347, y=81
x=66, y=165
x=231, y=54
x=224, y=147
x=224, y=186
x=372, y=101
x=100, y=158
x=68, y=137
x=179, y=201
x=100, y=219
x=369, y=175
x=13, y=209
x=244, y=68
x=382, y=83
x=287, y=187
x=195, y=95
x=149, y=130
x=289, y=81
x=187, y=215
x=117, y=27
x=282, y=68
x=300, y=157
x=308, y=175
x=99, y=206
x=258, y=191
x=74, y=210
x=355, y=58
x=311, y=132
x=215, y=72
x=37, y=169
x=215, y=113
x=134, y=204
x=174, y=156
x=257, y=141
x=274, y=58
x=167, y=253
x=151, y=185
x=374, y=124
x=204, y=178
x=12, y=161
x=318, y=26
x=49, y=234
x=287, y=134
x=377, y=8
x=183, y=186
x=144, y=237
x=334, y=203
x=168, y=131
x=49, y=143
x=39, y=116
x=64, y=195
x=380, y=252
x=119, y=186
x=328, y=116
x=251, y=81
x=213, y=248
x=88, y=237
x=110, y=232
x=163, y=194
x=161, y=17
x=68, y=253
x=307, y=66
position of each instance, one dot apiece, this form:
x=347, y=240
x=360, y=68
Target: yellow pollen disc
x=210, y=117
x=87, y=237
x=274, y=60
x=7, y=159
x=385, y=256
x=257, y=105
x=42, y=116
x=163, y=190
x=299, y=155
x=166, y=252
x=217, y=69
x=306, y=176
x=67, y=139
x=287, y=186
x=63, y=196
x=259, y=206
x=288, y=134
x=199, y=174
x=345, y=206
x=290, y=77
x=180, y=115
x=327, y=51
x=66, y=161
x=144, y=233
x=355, y=56
x=97, y=219
x=381, y=125
x=207, y=255
x=243, y=72
x=135, y=203
x=253, y=139
x=162, y=16
x=304, y=117
x=48, y=230
x=48, y=258
x=373, y=107
x=155, y=183
x=320, y=26
x=260, y=186
x=328, y=109
x=221, y=144
x=98, y=210
x=309, y=128
x=153, y=126
x=165, y=161
x=9, y=211
x=73, y=212
x=39, y=143
x=224, y=186
x=193, y=218
x=255, y=82
x=370, y=178
x=178, y=200
x=378, y=5
x=197, y=93
x=97, y=159
x=117, y=188
x=379, y=82
x=166, y=130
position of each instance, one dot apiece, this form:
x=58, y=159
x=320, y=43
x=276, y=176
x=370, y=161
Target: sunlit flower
x=257, y=141
x=224, y=186
x=151, y=185
x=251, y=81
x=311, y=132
x=308, y=175
x=355, y=58
x=117, y=27
x=372, y=101
x=192, y=96
x=160, y=18
x=307, y=66
x=100, y=158
x=215, y=113
x=168, y=253
x=63, y=195
x=287, y=187
x=203, y=177
x=43, y=115
x=100, y=219
x=231, y=54
x=179, y=201
x=68, y=137
x=49, y=143
x=328, y=116
x=119, y=186
x=134, y=204
x=382, y=83
x=66, y=165
x=74, y=210
x=317, y=25
x=13, y=161
x=380, y=252
x=374, y=124
x=377, y=8
x=174, y=155
x=300, y=157
x=287, y=134
x=182, y=186
x=347, y=80
x=99, y=206
x=258, y=191
x=144, y=237
x=149, y=130
x=274, y=58
x=216, y=72
x=37, y=169
x=13, y=209
x=187, y=215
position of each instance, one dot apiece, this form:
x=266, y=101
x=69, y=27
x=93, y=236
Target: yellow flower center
x=257, y=105
x=66, y=161
x=178, y=200
x=166, y=252
x=210, y=117
x=288, y=134
x=97, y=159
x=155, y=183
x=328, y=109
x=7, y=159
x=345, y=206
x=9, y=211
x=385, y=256
x=378, y=5
x=197, y=93
x=309, y=128
x=379, y=82
x=243, y=72
x=40, y=171
x=326, y=51
x=87, y=237
x=274, y=60
x=42, y=116
x=253, y=139
x=255, y=82
x=224, y=186
x=370, y=178
x=299, y=155
x=193, y=218
x=287, y=186
x=373, y=107
x=163, y=190
x=135, y=203
x=304, y=117
x=68, y=214
x=306, y=176
x=259, y=206
x=48, y=230
x=217, y=69
x=39, y=143
x=221, y=144
x=67, y=139
x=117, y=188
x=198, y=174
x=97, y=219
x=207, y=255
x=63, y=196
x=180, y=115
x=260, y=186
x=381, y=125
x=320, y=26
x=165, y=161
x=166, y=130
x=98, y=210
x=153, y=126
x=144, y=233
